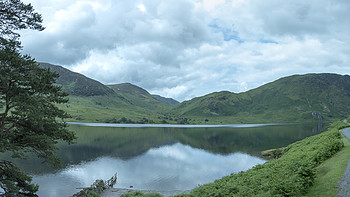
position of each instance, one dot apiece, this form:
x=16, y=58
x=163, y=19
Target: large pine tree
x=29, y=118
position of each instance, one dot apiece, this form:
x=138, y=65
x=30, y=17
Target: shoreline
x=248, y=125
x=116, y=192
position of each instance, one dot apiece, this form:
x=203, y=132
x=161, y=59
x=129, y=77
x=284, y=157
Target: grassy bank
x=302, y=170
x=329, y=172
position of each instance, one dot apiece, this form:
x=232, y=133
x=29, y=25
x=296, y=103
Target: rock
x=317, y=115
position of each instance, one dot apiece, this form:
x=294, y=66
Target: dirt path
x=344, y=182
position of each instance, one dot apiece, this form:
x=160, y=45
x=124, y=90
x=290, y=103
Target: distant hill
x=130, y=89
x=92, y=101
x=298, y=98
x=168, y=101
x=77, y=84
x=137, y=96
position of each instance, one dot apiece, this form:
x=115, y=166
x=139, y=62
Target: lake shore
x=292, y=174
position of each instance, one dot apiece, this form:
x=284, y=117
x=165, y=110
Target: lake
x=160, y=157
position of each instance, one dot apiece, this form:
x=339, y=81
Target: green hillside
x=138, y=97
x=77, y=84
x=92, y=101
x=168, y=101
x=298, y=98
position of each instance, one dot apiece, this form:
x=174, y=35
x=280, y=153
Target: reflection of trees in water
x=127, y=143
x=319, y=127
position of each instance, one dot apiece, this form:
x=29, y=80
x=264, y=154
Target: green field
x=112, y=110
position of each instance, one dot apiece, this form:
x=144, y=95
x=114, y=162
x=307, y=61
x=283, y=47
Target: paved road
x=344, y=183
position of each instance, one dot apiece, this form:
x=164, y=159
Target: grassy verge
x=329, y=172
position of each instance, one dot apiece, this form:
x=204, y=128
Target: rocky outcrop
x=317, y=115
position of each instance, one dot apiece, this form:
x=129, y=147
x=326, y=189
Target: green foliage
x=339, y=125
x=330, y=172
x=15, y=15
x=290, y=175
x=15, y=182
x=28, y=111
x=27, y=101
x=92, y=194
x=28, y=119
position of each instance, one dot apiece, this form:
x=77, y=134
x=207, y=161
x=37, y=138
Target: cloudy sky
x=188, y=48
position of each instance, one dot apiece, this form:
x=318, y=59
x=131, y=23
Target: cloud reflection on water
x=173, y=167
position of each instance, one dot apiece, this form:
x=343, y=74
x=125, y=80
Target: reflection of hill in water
x=126, y=143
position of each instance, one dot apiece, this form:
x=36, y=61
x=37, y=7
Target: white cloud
x=190, y=48
x=141, y=7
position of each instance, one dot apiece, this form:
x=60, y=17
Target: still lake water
x=160, y=158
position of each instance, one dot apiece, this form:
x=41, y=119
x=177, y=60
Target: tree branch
x=7, y=109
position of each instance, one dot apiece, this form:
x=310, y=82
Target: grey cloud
x=81, y=28
x=190, y=48
x=301, y=18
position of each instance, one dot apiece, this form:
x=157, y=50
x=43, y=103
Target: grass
x=329, y=172
x=105, y=109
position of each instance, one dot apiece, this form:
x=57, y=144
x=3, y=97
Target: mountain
x=137, y=96
x=77, y=84
x=92, y=101
x=129, y=88
x=298, y=98
x=168, y=101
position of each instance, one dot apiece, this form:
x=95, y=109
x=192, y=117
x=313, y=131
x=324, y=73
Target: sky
x=188, y=48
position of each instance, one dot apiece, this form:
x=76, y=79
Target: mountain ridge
x=309, y=97
x=296, y=98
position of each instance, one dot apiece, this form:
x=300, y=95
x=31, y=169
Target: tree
x=15, y=15
x=29, y=119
